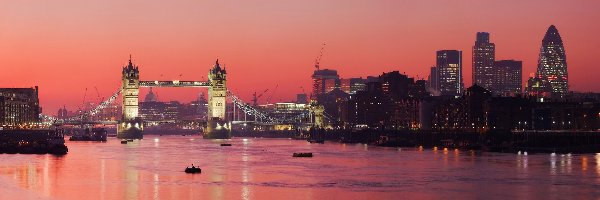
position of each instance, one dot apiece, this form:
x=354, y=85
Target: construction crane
x=318, y=60
x=255, y=97
x=83, y=103
x=304, y=93
x=100, y=99
x=272, y=93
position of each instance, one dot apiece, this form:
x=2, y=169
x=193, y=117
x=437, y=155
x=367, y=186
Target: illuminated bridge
x=131, y=125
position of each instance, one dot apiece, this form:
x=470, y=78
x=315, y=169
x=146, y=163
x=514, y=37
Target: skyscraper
x=507, y=78
x=324, y=81
x=483, y=60
x=449, y=71
x=552, y=63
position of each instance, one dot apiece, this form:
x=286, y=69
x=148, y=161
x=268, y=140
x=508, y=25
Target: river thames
x=256, y=168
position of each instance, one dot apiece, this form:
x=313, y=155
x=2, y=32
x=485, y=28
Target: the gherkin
x=552, y=63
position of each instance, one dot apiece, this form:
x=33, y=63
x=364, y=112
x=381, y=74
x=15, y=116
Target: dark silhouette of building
x=483, y=61
x=463, y=114
x=19, y=108
x=335, y=104
x=301, y=98
x=552, y=63
x=370, y=107
x=391, y=102
x=507, y=78
x=433, y=82
x=478, y=111
x=538, y=86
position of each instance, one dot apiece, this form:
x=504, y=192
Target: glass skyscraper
x=449, y=72
x=552, y=63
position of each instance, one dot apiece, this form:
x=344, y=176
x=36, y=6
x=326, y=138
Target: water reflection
x=597, y=163
x=264, y=168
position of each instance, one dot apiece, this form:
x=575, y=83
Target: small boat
x=123, y=141
x=225, y=145
x=303, y=155
x=193, y=170
x=130, y=140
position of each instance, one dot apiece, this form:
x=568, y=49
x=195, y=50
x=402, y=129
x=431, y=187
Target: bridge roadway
x=174, y=83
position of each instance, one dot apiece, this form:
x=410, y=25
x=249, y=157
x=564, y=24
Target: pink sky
x=65, y=46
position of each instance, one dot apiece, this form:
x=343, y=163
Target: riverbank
x=493, y=141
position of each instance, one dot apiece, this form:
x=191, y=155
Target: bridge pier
x=131, y=127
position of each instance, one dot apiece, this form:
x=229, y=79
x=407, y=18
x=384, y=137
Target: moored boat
x=302, y=155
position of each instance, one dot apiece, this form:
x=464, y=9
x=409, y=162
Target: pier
x=32, y=142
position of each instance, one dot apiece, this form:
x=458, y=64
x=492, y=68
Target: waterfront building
x=369, y=108
x=507, y=78
x=552, y=62
x=335, y=105
x=449, y=72
x=463, y=114
x=391, y=102
x=483, y=61
x=478, y=111
x=19, y=108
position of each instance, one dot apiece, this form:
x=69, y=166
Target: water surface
x=264, y=168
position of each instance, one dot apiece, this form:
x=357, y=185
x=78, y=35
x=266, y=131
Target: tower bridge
x=131, y=125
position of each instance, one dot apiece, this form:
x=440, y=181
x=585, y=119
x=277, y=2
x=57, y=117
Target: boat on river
x=302, y=155
x=193, y=170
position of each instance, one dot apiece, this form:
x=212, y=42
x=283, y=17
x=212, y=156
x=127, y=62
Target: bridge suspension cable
x=246, y=108
x=101, y=106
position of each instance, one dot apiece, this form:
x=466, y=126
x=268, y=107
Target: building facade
x=484, y=54
x=449, y=72
x=552, y=63
x=507, y=78
x=324, y=81
x=19, y=107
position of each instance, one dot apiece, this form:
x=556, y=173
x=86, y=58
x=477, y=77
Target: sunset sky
x=66, y=46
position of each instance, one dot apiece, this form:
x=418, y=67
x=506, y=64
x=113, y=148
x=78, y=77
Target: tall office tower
x=324, y=81
x=449, y=70
x=507, y=77
x=483, y=60
x=552, y=63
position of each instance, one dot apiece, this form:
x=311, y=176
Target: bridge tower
x=130, y=127
x=217, y=125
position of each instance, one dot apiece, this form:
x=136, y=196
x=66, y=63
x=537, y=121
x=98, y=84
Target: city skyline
x=180, y=42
